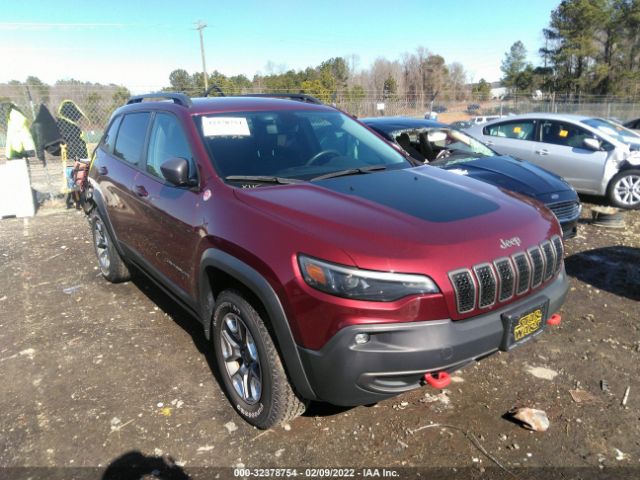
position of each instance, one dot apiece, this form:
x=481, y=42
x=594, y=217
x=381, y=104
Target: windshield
x=429, y=144
x=293, y=144
x=618, y=132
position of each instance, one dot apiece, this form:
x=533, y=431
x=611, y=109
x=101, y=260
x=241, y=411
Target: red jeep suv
x=322, y=263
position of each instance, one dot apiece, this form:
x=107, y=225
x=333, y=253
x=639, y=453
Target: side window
x=131, y=136
x=564, y=134
x=110, y=137
x=520, y=130
x=167, y=141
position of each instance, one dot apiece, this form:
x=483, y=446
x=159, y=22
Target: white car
x=484, y=119
x=596, y=156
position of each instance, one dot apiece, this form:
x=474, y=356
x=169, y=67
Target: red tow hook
x=554, y=320
x=438, y=380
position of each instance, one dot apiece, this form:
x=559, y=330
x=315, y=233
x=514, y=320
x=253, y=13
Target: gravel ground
x=96, y=375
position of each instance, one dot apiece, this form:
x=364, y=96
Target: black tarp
x=46, y=133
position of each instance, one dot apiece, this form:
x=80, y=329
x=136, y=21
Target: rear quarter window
x=110, y=136
x=131, y=137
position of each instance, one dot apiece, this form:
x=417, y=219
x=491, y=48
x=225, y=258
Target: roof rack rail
x=178, y=98
x=300, y=97
x=211, y=88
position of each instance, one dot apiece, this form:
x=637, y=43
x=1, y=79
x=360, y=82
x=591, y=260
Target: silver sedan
x=596, y=156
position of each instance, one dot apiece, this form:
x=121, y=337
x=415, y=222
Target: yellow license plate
x=527, y=325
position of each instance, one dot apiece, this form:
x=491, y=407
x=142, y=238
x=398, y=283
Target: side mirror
x=176, y=171
x=591, y=144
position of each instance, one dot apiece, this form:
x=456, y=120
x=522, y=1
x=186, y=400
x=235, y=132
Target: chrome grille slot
x=507, y=278
x=537, y=264
x=486, y=285
x=549, y=259
x=565, y=210
x=524, y=272
x=559, y=247
x=465, y=289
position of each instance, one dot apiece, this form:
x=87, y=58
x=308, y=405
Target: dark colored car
x=445, y=147
x=460, y=124
x=633, y=124
x=322, y=263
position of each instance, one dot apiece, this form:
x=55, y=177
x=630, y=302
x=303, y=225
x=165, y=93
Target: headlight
x=362, y=284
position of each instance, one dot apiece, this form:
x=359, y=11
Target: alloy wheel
x=241, y=359
x=627, y=190
x=102, y=246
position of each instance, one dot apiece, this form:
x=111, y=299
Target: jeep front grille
x=549, y=260
x=559, y=248
x=537, y=262
x=465, y=289
x=486, y=284
x=524, y=272
x=507, y=278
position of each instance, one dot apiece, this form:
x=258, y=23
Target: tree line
x=591, y=47
x=420, y=75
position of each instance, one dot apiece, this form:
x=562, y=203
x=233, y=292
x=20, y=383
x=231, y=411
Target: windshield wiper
x=350, y=171
x=262, y=179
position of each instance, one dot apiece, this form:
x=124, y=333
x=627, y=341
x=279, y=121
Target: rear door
x=116, y=165
x=514, y=137
x=561, y=150
x=168, y=224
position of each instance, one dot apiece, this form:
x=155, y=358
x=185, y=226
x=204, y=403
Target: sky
x=137, y=44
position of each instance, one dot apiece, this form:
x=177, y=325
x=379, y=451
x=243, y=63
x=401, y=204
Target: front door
x=168, y=231
x=561, y=150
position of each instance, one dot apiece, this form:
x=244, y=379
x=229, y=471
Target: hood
x=386, y=220
x=507, y=172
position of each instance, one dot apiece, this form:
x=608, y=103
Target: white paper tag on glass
x=225, y=127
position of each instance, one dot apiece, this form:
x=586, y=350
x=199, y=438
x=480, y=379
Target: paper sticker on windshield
x=225, y=127
x=563, y=133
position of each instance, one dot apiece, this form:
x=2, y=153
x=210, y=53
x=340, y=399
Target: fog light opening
x=361, y=338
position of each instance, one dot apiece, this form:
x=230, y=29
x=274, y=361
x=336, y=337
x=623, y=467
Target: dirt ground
x=96, y=376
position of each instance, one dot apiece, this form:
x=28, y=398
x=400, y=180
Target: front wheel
x=253, y=375
x=624, y=189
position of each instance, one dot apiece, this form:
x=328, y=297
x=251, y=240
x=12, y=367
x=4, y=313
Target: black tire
x=624, y=189
x=269, y=398
x=110, y=262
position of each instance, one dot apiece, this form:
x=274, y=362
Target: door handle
x=103, y=170
x=542, y=151
x=489, y=142
x=140, y=191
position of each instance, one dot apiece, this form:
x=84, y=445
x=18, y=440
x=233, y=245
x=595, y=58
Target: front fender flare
x=259, y=286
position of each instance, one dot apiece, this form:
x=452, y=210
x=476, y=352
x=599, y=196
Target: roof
x=203, y=105
x=392, y=124
x=547, y=115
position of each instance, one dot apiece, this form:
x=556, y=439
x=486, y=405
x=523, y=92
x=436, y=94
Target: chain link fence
x=98, y=102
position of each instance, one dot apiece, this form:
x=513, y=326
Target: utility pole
x=201, y=26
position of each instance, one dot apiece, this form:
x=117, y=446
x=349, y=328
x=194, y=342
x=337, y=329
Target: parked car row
x=323, y=262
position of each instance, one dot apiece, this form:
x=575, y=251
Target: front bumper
x=399, y=354
x=569, y=228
